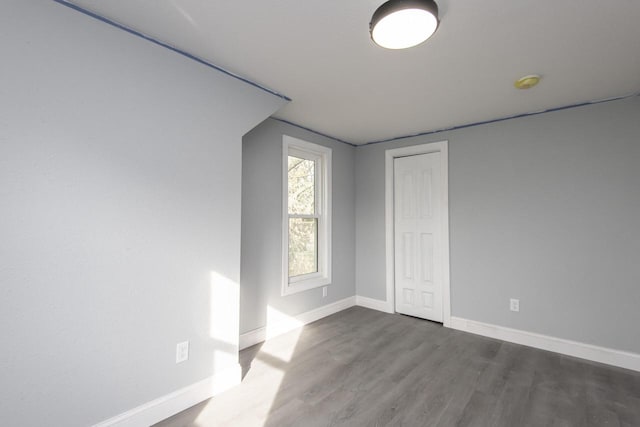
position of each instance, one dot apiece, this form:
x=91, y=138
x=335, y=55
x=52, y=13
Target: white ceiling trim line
x=168, y=46
x=517, y=116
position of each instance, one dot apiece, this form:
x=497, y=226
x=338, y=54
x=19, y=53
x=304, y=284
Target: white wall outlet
x=182, y=351
x=324, y=292
x=514, y=304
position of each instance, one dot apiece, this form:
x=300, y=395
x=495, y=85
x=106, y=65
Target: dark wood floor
x=365, y=368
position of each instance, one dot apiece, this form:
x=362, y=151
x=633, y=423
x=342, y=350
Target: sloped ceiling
x=318, y=52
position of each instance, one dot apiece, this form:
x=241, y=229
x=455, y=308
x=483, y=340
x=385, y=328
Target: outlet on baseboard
x=324, y=292
x=182, y=351
x=514, y=304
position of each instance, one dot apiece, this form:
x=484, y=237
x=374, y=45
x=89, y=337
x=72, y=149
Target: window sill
x=301, y=285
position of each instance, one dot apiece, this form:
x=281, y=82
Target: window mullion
x=310, y=216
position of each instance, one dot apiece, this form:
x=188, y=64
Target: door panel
x=417, y=236
x=426, y=255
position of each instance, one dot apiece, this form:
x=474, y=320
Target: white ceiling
x=318, y=52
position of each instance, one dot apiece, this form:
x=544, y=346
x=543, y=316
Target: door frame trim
x=390, y=154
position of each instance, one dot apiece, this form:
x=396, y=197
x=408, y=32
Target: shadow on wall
x=221, y=346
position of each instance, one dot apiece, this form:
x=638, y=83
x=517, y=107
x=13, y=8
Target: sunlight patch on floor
x=279, y=323
x=267, y=372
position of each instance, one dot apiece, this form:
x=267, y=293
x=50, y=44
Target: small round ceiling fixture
x=527, y=82
x=400, y=24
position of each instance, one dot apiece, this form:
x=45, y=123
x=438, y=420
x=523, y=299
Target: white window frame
x=322, y=156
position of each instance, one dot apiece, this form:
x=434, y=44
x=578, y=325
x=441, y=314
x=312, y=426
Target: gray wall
x=543, y=208
x=261, y=275
x=120, y=185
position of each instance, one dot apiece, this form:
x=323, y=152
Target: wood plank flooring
x=361, y=367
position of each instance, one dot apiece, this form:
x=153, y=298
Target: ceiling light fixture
x=400, y=24
x=527, y=82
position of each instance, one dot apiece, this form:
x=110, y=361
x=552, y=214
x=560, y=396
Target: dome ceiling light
x=400, y=24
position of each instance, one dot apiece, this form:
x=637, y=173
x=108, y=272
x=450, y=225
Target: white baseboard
x=172, y=403
x=283, y=324
x=594, y=353
x=374, y=304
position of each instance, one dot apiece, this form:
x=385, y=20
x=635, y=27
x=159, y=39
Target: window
x=307, y=215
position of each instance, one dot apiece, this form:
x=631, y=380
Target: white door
x=418, y=236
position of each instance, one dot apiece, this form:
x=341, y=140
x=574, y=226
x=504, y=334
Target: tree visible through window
x=307, y=215
x=303, y=220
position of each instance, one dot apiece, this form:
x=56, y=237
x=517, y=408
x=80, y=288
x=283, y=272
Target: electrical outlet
x=514, y=304
x=324, y=292
x=182, y=351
